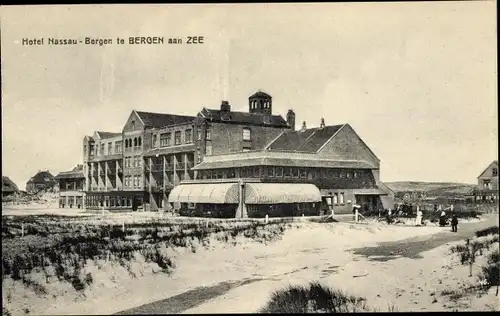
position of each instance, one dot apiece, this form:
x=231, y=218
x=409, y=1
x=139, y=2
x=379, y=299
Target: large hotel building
x=230, y=163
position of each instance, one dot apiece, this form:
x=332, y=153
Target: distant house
x=71, y=186
x=43, y=180
x=9, y=188
x=487, y=184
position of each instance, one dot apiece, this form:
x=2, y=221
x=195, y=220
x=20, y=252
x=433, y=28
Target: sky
x=417, y=81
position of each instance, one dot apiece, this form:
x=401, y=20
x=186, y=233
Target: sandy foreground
x=308, y=251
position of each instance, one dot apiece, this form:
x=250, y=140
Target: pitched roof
x=8, y=185
x=492, y=163
x=284, y=162
x=105, y=135
x=157, y=120
x=244, y=118
x=77, y=172
x=260, y=94
x=42, y=177
x=309, y=140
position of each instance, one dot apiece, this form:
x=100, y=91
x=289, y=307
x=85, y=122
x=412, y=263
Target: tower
x=261, y=103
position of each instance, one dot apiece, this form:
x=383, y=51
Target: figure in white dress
x=418, y=220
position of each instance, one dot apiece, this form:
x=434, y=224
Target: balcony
x=157, y=168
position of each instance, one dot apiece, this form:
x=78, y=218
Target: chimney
x=290, y=119
x=225, y=107
x=322, y=125
x=304, y=126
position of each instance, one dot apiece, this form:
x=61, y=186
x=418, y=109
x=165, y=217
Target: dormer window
x=132, y=124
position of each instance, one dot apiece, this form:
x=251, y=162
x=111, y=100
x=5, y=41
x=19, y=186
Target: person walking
x=454, y=222
x=418, y=219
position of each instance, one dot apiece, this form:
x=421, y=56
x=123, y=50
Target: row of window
x=101, y=150
x=260, y=105
x=280, y=172
x=133, y=162
x=135, y=142
x=133, y=181
x=166, y=138
x=336, y=199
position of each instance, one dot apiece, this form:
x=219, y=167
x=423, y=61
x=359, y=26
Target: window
x=139, y=141
x=303, y=173
x=118, y=147
x=153, y=141
x=256, y=172
x=177, y=137
x=287, y=173
x=279, y=172
x=230, y=173
x=295, y=172
x=198, y=135
x=198, y=155
x=246, y=134
x=341, y=198
x=189, y=136
x=342, y=174
x=133, y=124
x=135, y=141
x=486, y=184
x=208, y=135
x=139, y=161
x=355, y=174
x=110, y=148
x=91, y=150
x=208, y=150
x=329, y=174
x=165, y=139
x=317, y=174
x=335, y=198
x=102, y=149
x=495, y=172
x=348, y=174
x=270, y=172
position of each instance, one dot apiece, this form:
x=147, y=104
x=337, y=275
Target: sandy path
x=403, y=284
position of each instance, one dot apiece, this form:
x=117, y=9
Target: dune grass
x=64, y=245
x=312, y=298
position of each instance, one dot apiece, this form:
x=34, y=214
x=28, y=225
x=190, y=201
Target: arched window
x=135, y=141
x=139, y=141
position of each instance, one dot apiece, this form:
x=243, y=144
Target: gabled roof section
x=494, y=162
x=106, y=135
x=310, y=140
x=216, y=115
x=157, y=120
x=77, y=172
x=8, y=185
x=42, y=177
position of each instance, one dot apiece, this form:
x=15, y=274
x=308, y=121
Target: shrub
x=312, y=298
x=490, y=272
x=488, y=231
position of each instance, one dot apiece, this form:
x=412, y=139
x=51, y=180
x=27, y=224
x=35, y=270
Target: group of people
x=443, y=220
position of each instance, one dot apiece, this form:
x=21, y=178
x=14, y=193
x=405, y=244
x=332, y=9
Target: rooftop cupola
x=261, y=103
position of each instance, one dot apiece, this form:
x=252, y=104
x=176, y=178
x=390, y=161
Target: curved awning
x=212, y=193
x=276, y=193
